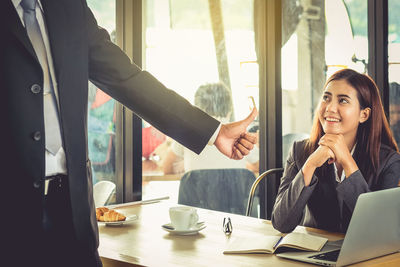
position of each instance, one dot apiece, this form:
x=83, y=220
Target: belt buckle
x=46, y=186
x=47, y=183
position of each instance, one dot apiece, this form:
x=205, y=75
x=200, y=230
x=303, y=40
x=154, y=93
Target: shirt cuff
x=214, y=136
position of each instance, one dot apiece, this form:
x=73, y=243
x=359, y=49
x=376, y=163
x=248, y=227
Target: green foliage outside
x=358, y=11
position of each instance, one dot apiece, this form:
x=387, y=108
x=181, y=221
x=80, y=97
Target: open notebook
x=269, y=244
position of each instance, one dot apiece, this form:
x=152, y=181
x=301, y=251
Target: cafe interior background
x=279, y=52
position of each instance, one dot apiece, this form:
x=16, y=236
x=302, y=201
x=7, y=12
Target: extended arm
x=112, y=71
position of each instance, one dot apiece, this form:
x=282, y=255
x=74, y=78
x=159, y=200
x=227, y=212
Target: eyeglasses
x=227, y=226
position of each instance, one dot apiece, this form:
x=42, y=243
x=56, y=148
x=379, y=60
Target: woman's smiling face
x=340, y=111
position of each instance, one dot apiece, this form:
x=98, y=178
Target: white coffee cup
x=183, y=218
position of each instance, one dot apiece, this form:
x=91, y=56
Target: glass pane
x=101, y=120
x=194, y=46
x=326, y=36
x=394, y=67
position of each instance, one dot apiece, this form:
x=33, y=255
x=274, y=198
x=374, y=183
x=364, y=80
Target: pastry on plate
x=104, y=214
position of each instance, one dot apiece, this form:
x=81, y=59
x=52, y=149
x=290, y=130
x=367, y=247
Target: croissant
x=113, y=216
x=100, y=213
x=104, y=214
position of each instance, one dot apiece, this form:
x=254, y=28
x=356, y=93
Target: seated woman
x=214, y=99
x=350, y=151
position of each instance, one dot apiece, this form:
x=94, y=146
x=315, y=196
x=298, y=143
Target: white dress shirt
x=55, y=164
x=343, y=176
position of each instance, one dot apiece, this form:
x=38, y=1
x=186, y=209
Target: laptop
x=374, y=231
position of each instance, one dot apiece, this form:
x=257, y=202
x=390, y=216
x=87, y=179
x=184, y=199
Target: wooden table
x=145, y=243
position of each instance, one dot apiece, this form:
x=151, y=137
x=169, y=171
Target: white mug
x=183, y=218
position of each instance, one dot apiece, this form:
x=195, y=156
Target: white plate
x=128, y=219
x=192, y=231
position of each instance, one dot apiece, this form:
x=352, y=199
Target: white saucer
x=192, y=231
x=129, y=219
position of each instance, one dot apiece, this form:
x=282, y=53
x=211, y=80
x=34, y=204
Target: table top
x=144, y=243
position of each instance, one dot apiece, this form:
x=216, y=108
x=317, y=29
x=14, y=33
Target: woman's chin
x=332, y=131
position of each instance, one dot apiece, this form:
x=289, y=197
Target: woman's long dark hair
x=370, y=134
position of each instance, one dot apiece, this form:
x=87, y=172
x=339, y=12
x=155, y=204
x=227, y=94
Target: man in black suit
x=49, y=50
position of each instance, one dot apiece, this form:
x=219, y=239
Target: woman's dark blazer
x=81, y=51
x=325, y=203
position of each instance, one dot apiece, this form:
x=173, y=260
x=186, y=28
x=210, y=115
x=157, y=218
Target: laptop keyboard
x=328, y=256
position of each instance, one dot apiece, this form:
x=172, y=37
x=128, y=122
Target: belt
x=53, y=179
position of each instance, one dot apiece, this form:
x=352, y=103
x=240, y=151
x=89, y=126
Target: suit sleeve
x=292, y=195
x=113, y=72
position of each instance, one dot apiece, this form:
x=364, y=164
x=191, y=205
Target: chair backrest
x=287, y=142
x=102, y=192
x=217, y=189
x=253, y=188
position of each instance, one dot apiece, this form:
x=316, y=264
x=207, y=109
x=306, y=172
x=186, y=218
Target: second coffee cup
x=183, y=218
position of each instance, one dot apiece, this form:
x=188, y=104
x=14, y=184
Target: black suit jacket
x=81, y=51
x=325, y=203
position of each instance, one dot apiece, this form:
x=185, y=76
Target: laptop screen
x=374, y=229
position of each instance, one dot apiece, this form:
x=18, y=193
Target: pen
x=277, y=243
x=148, y=201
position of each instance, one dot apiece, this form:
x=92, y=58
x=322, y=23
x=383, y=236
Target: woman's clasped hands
x=337, y=145
x=332, y=148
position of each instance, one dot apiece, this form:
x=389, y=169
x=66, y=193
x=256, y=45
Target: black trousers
x=60, y=245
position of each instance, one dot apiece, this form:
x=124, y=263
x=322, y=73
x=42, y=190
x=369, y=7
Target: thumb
x=251, y=117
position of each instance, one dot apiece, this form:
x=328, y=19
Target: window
x=319, y=38
x=394, y=68
x=192, y=45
